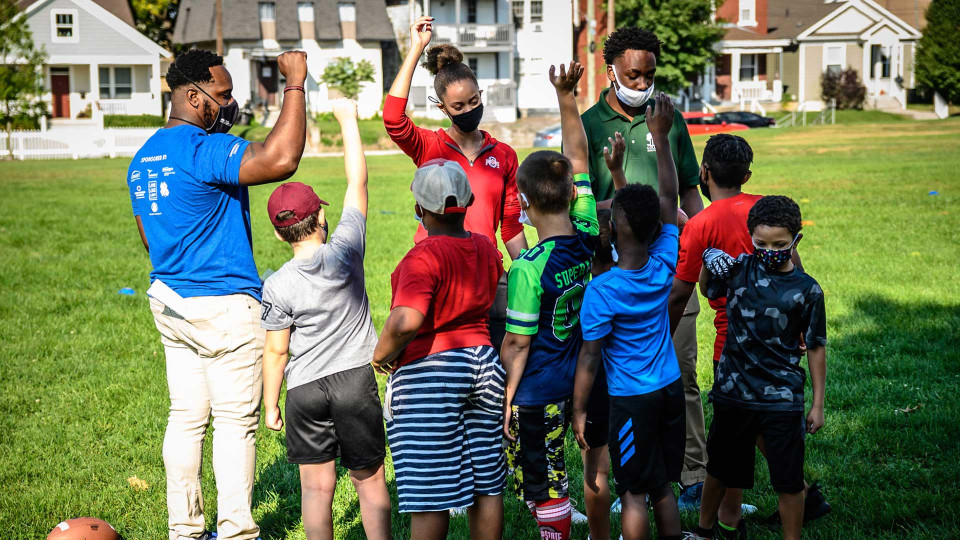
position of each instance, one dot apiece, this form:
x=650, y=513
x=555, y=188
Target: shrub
x=938, y=53
x=124, y=120
x=844, y=87
x=346, y=77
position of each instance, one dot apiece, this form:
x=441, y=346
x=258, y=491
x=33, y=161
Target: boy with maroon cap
x=444, y=400
x=332, y=406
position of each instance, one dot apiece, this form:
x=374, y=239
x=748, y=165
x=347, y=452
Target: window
x=536, y=10
x=834, y=58
x=305, y=11
x=879, y=61
x=747, y=12
x=517, y=6
x=63, y=26
x=474, y=64
x=116, y=82
x=471, y=11
x=748, y=67
x=268, y=12
x=348, y=11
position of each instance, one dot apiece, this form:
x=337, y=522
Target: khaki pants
x=214, y=356
x=685, y=343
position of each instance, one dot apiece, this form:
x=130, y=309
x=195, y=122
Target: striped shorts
x=444, y=417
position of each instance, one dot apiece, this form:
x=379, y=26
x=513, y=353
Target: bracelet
x=300, y=88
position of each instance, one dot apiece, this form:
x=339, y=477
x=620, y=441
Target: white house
x=256, y=33
x=509, y=44
x=96, y=58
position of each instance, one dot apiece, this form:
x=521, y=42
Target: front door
x=882, y=66
x=60, y=88
x=267, y=78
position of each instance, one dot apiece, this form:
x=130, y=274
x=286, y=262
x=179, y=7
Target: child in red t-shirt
x=444, y=399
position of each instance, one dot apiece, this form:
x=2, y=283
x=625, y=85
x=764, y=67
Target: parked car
x=703, y=123
x=746, y=118
x=549, y=137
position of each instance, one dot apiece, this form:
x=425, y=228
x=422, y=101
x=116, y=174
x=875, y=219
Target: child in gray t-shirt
x=317, y=316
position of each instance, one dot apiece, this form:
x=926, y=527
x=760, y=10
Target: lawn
x=83, y=395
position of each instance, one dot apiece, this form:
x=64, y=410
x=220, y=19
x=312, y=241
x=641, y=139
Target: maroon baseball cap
x=294, y=197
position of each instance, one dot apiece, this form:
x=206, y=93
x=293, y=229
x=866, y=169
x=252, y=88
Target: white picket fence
x=74, y=143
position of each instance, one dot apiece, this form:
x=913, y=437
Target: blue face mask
x=774, y=258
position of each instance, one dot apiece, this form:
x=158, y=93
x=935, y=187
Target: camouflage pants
x=536, y=459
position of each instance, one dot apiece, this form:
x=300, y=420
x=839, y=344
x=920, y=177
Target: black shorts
x=647, y=438
x=733, y=438
x=336, y=416
x=597, y=431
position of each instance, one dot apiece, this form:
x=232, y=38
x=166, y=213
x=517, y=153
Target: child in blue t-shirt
x=625, y=322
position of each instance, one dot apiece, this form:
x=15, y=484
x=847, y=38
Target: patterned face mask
x=774, y=258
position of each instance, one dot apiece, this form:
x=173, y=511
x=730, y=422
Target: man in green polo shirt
x=631, y=57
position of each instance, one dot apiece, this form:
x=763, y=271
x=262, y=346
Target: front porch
x=86, y=90
x=748, y=75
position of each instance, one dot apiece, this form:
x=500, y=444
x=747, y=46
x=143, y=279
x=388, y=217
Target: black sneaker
x=815, y=506
x=208, y=535
x=720, y=533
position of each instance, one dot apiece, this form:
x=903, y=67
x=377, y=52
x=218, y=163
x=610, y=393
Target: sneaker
x=207, y=535
x=698, y=534
x=575, y=515
x=689, y=500
x=747, y=509
x=721, y=533
x=615, y=507
x=458, y=511
x=815, y=506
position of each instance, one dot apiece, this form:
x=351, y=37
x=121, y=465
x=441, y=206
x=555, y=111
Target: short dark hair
x=775, y=211
x=445, y=63
x=451, y=218
x=728, y=157
x=299, y=230
x=640, y=205
x=629, y=37
x=546, y=178
x=604, y=251
x=192, y=66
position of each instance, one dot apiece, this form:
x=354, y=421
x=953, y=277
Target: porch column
x=155, y=86
x=426, y=8
x=735, y=75
x=456, y=12
x=95, y=111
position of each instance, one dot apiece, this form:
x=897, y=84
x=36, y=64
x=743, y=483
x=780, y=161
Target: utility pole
x=219, y=17
x=591, y=51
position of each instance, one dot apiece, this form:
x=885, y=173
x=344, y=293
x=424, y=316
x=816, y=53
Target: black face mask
x=704, y=187
x=470, y=120
x=226, y=116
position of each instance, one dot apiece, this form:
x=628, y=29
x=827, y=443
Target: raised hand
x=344, y=109
x=568, y=78
x=614, y=157
x=660, y=120
x=421, y=32
x=293, y=67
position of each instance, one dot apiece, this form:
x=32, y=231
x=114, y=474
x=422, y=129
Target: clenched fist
x=293, y=67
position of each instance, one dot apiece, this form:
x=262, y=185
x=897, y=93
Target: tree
x=21, y=64
x=843, y=88
x=155, y=19
x=938, y=55
x=345, y=76
x=687, y=31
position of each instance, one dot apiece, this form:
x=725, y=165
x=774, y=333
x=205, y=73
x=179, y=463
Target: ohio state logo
x=493, y=163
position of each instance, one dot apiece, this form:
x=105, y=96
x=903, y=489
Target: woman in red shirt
x=491, y=166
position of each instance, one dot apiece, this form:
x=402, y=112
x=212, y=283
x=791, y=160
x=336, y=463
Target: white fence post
x=940, y=106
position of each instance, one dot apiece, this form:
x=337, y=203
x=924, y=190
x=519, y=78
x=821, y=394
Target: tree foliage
x=21, y=70
x=155, y=19
x=346, y=77
x=687, y=31
x=844, y=87
x=938, y=54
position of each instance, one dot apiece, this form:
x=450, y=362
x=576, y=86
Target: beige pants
x=214, y=356
x=685, y=343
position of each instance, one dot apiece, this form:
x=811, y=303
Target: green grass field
x=83, y=396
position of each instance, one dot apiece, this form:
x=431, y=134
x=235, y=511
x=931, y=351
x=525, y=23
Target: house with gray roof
x=256, y=32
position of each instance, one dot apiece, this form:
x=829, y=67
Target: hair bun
x=441, y=56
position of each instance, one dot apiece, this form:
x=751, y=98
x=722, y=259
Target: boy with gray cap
x=444, y=399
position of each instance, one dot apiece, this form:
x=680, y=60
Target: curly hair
x=775, y=211
x=192, y=66
x=640, y=205
x=728, y=157
x=546, y=178
x=629, y=37
x=445, y=63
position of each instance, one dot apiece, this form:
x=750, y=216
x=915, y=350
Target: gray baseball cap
x=437, y=180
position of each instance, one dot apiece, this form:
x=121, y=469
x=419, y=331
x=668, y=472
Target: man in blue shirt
x=188, y=187
x=624, y=316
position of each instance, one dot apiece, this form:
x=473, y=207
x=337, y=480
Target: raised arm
x=420, y=33
x=354, y=162
x=574, y=137
x=659, y=122
x=613, y=156
x=278, y=157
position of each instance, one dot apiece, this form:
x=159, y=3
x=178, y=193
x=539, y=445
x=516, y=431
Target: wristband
x=300, y=88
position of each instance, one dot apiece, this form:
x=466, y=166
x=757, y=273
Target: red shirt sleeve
x=401, y=129
x=415, y=284
x=510, y=213
x=691, y=252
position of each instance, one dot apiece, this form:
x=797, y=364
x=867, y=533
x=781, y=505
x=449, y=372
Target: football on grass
x=85, y=528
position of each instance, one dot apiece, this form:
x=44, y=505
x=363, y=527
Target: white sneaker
x=576, y=516
x=747, y=509
x=463, y=511
x=615, y=508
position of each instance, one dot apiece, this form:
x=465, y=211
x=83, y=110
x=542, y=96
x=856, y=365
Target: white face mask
x=629, y=96
x=524, y=218
x=613, y=253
